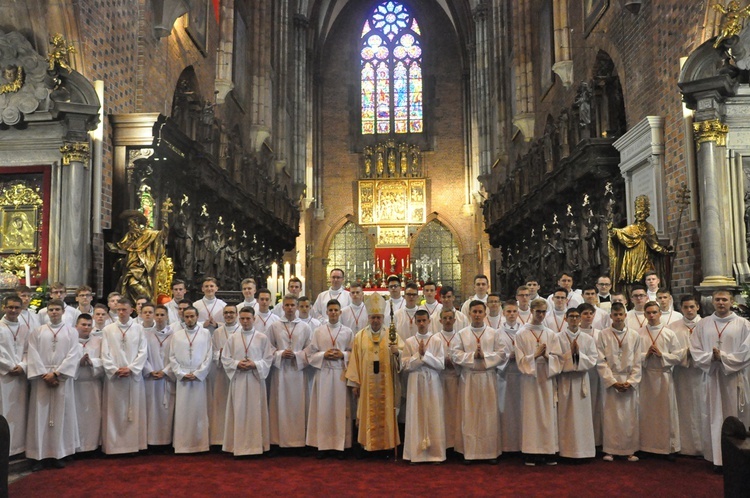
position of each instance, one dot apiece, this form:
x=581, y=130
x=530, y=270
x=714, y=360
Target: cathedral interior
x=434, y=139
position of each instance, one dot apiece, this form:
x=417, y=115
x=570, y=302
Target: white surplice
x=160, y=393
x=449, y=377
x=263, y=322
x=634, y=320
x=288, y=397
x=659, y=425
x=124, y=425
x=218, y=384
x=213, y=308
x=191, y=353
x=727, y=380
x=619, y=361
x=246, y=429
x=539, y=434
x=509, y=392
x=319, y=308
x=69, y=317
x=670, y=317
x=690, y=390
x=480, y=437
x=461, y=322
x=424, y=436
x=433, y=309
x=406, y=325
x=52, y=429
x=575, y=422
x=354, y=317
x=88, y=389
x=329, y=422
x=596, y=388
x=555, y=321
x=14, y=389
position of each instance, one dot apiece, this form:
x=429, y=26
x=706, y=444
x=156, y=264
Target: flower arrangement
x=40, y=297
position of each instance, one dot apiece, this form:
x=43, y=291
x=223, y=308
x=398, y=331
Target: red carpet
x=222, y=475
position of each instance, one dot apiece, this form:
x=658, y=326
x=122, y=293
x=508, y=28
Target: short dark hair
x=572, y=310
x=689, y=297
x=477, y=302
x=333, y=302
x=12, y=297
x=588, y=287
x=412, y=286
x=247, y=309
x=586, y=307
x=560, y=289
x=83, y=316
x=177, y=282
x=429, y=282
x=422, y=313
x=446, y=289
x=617, y=307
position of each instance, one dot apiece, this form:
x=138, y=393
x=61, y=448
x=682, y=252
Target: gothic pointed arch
x=436, y=253
x=391, y=71
x=350, y=248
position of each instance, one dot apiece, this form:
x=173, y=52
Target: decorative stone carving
x=75, y=152
x=24, y=84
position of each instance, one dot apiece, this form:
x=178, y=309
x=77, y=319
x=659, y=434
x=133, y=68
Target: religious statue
x=572, y=248
x=368, y=161
x=733, y=20
x=143, y=250
x=633, y=249
x=583, y=102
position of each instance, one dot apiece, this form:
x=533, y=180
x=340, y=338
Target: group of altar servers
x=527, y=376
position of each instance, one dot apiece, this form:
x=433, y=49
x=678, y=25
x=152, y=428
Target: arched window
x=351, y=251
x=391, y=71
x=435, y=256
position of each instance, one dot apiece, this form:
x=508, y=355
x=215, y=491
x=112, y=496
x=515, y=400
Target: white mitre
x=375, y=304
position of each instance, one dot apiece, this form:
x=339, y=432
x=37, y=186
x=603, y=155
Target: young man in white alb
x=523, y=300
x=190, y=355
x=304, y=307
x=124, y=354
x=178, y=294
x=431, y=305
x=635, y=318
x=247, y=357
x=659, y=425
x=539, y=359
x=688, y=381
x=574, y=411
x=218, y=382
x=422, y=360
x=395, y=300
x=249, y=288
x=448, y=298
x=588, y=312
x=494, y=316
x=288, y=396
x=601, y=316
x=336, y=291
x=354, y=316
x=14, y=386
x=88, y=386
x=329, y=426
x=481, y=289
x=405, y=317
x=28, y=317
x=264, y=318
x=619, y=366
x=555, y=319
x=509, y=381
x=720, y=346
x=210, y=308
x=101, y=319
x=479, y=352
x=52, y=363
x=666, y=303
x=293, y=288
x=58, y=291
x=84, y=296
x=158, y=380
x=449, y=377
x=565, y=280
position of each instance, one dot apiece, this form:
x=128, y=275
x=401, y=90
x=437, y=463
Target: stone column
x=710, y=137
x=74, y=208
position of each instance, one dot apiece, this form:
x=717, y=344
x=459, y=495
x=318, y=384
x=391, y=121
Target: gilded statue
x=734, y=17
x=635, y=249
x=143, y=251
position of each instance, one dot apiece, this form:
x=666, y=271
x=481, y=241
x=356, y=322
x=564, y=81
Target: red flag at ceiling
x=216, y=9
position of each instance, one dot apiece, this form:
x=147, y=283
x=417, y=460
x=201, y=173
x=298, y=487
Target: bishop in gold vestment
x=373, y=373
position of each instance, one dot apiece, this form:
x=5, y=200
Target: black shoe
x=321, y=455
x=718, y=469
x=671, y=457
x=493, y=461
x=58, y=464
x=37, y=466
x=340, y=455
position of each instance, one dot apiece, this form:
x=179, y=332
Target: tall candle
x=302, y=279
x=28, y=275
x=274, y=271
x=297, y=270
x=270, y=284
x=287, y=271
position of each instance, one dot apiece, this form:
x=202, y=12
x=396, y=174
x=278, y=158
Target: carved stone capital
x=223, y=87
x=77, y=152
x=525, y=123
x=564, y=69
x=710, y=131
